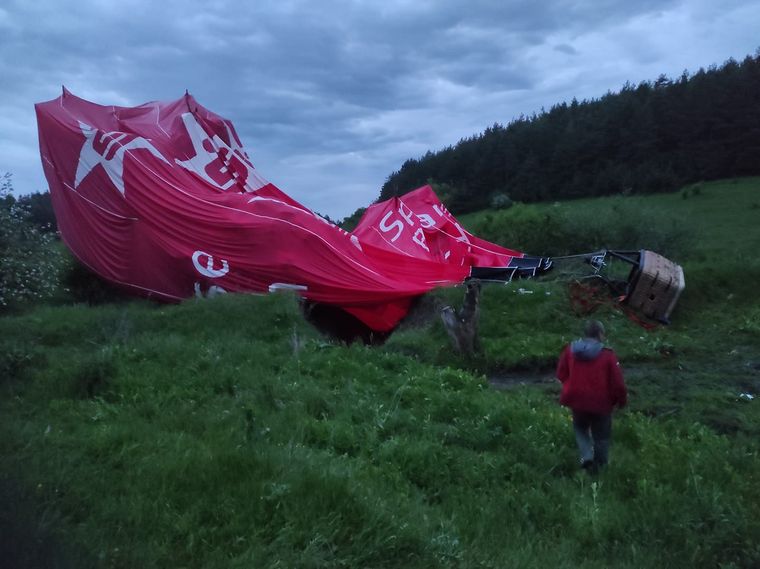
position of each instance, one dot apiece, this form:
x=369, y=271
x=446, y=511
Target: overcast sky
x=329, y=98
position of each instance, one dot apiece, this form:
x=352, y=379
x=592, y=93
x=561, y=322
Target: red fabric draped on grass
x=162, y=199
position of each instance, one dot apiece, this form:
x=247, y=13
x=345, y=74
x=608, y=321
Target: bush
x=501, y=201
x=29, y=259
x=350, y=222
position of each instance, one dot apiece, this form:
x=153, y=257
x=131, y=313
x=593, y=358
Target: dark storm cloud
x=331, y=97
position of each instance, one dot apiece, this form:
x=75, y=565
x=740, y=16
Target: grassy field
x=229, y=433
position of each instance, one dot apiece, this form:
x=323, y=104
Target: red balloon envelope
x=163, y=199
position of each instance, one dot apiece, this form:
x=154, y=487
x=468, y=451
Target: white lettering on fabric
x=419, y=235
x=218, y=163
x=209, y=270
x=385, y=228
x=419, y=238
x=462, y=234
x=425, y=220
x=108, y=149
x=406, y=213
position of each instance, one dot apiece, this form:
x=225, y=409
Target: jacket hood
x=586, y=348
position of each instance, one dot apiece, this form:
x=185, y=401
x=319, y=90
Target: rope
x=579, y=255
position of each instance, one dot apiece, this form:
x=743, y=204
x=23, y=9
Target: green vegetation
x=651, y=137
x=29, y=262
x=228, y=433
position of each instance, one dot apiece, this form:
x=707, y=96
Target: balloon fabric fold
x=163, y=200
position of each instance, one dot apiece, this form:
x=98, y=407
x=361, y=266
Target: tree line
x=652, y=137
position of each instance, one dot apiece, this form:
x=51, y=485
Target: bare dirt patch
x=513, y=380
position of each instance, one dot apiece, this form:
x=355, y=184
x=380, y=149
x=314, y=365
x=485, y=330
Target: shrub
x=501, y=201
x=29, y=259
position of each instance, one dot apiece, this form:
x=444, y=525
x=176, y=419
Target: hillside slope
x=228, y=433
x=650, y=137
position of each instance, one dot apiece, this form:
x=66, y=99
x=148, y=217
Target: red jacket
x=593, y=385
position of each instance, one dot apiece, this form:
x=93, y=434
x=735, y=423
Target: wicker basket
x=656, y=285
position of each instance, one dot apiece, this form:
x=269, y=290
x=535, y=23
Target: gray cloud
x=565, y=48
x=329, y=98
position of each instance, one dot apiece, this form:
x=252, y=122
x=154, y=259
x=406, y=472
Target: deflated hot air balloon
x=163, y=200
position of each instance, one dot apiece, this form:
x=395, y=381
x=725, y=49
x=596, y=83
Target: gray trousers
x=593, y=433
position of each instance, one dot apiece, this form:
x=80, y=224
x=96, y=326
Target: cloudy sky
x=331, y=97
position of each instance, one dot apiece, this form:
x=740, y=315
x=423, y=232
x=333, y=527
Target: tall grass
x=229, y=433
x=209, y=442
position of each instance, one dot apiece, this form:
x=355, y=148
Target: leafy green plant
x=30, y=262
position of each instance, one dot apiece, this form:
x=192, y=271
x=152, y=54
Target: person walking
x=592, y=386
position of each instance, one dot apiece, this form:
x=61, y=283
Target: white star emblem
x=108, y=149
